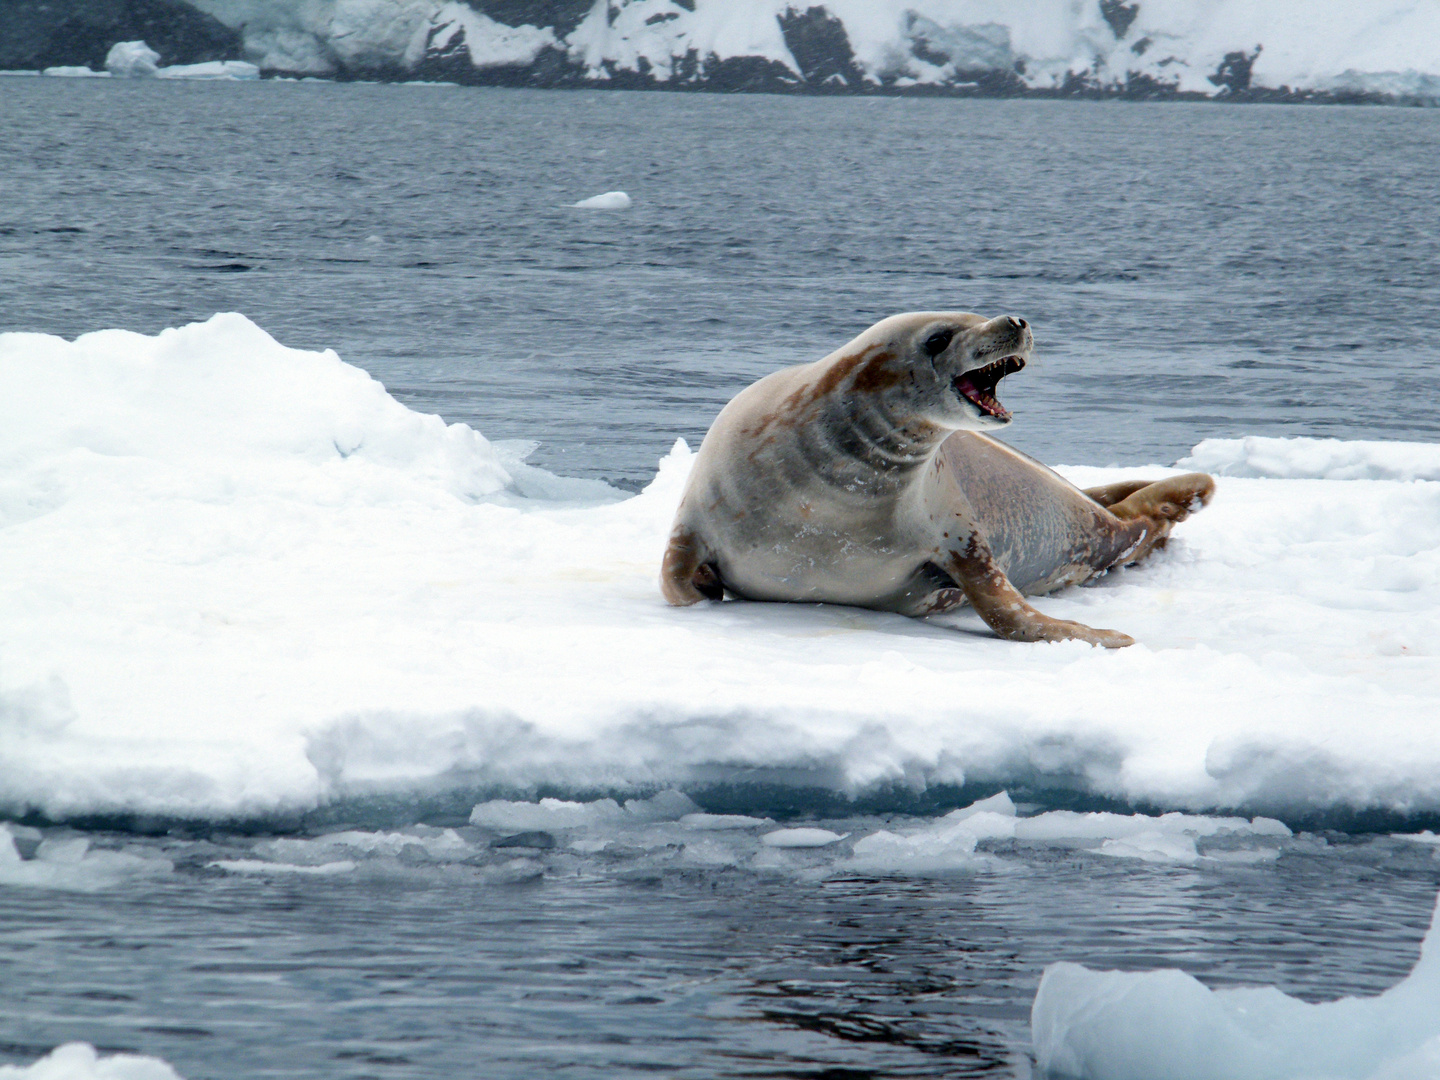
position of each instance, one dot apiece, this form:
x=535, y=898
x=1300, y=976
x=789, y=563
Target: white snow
x=79, y=1061
x=1389, y=46
x=71, y=72
x=1315, y=459
x=1110, y=1025
x=237, y=578
x=610, y=200
x=488, y=43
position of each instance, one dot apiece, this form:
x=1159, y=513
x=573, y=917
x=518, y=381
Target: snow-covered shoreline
x=240, y=580
x=1272, y=50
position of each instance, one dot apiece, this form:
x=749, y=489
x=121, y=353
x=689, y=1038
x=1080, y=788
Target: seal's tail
x=686, y=575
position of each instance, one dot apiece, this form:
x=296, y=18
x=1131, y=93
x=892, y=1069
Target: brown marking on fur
x=678, y=572
x=876, y=375
x=871, y=374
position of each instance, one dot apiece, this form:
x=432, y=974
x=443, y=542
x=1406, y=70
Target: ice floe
x=1111, y=1025
x=240, y=579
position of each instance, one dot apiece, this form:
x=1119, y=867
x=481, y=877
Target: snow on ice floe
x=80, y=1061
x=240, y=579
x=610, y=200
x=1111, y=1025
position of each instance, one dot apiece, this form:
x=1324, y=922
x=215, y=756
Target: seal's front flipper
x=1005, y=611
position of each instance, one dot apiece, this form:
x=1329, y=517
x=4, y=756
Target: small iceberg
x=1113, y=1025
x=214, y=69
x=137, y=60
x=132, y=60
x=611, y=200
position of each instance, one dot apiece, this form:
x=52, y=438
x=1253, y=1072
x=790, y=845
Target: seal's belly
x=1044, y=531
x=796, y=553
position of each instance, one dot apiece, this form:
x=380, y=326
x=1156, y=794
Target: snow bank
x=1110, y=1025
x=1317, y=459
x=1190, y=46
x=79, y=1061
x=237, y=578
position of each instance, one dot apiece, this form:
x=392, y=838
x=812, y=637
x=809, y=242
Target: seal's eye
x=936, y=342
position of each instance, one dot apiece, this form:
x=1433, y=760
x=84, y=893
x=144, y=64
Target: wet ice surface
x=597, y=941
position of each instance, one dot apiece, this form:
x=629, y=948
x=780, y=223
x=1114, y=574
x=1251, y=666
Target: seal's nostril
x=1022, y=323
x=1018, y=324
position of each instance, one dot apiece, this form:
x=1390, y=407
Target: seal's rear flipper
x=1110, y=494
x=685, y=575
x=1173, y=499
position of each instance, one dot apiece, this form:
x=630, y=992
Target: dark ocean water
x=1191, y=271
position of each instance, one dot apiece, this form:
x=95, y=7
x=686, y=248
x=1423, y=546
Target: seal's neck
x=876, y=447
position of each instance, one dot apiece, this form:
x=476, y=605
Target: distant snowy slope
x=1265, y=49
x=1148, y=46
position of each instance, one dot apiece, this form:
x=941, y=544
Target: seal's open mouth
x=978, y=387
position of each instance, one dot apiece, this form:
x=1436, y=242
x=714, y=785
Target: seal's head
x=958, y=359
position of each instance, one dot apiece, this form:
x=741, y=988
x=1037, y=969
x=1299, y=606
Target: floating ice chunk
x=430, y=845
x=1152, y=845
x=72, y=72
x=558, y=814
x=239, y=70
x=69, y=864
x=1110, y=1025
x=720, y=822
x=950, y=843
x=611, y=200
x=79, y=1061
x=545, y=814
x=801, y=838
x=264, y=866
x=132, y=59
